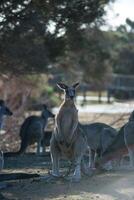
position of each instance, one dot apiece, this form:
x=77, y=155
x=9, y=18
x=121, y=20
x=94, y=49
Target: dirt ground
x=11, y=142
x=110, y=185
x=113, y=185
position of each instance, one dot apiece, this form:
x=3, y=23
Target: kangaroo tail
x=19, y=152
x=22, y=149
x=23, y=146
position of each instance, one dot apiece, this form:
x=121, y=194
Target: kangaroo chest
x=66, y=130
x=66, y=119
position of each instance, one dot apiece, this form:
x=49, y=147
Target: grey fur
x=99, y=137
x=124, y=139
x=115, y=150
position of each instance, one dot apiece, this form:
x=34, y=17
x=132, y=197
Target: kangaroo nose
x=72, y=96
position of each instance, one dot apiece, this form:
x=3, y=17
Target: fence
x=121, y=86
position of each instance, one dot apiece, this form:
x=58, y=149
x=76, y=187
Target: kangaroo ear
x=62, y=86
x=75, y=85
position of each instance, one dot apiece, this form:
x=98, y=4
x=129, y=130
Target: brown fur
x=70, y=121
x=67, y=140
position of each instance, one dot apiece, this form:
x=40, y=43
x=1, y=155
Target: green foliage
x=27, y=43
x=90, y=63
x=122, y=48
x=96, y=55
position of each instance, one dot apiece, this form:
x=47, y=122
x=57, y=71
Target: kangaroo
x=129, y=138
x=4, y=111
x=99, y=137
x=67, y=140
x=123, y=141
x=115, y=148
x=1, y=160
x=122, y=145
x=32, y=130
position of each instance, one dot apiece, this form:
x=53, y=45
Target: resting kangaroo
x=99, y=137
x=124, y=140
x=67, y=140
x=115, y=150
x=32, y=130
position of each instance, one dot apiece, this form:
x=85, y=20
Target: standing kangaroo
x=32, y=130
x=67, y=140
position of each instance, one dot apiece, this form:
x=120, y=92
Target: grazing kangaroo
x=32, y=130
x=67, y=140
x=129, y=138
x=99, y=137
